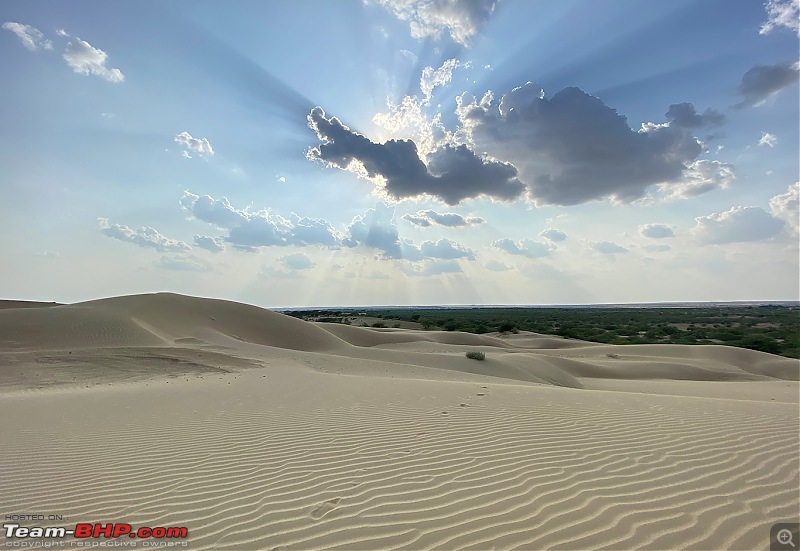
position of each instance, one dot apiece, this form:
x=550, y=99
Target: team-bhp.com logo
x=85, y=530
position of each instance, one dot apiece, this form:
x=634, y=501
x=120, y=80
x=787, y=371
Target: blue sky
x=355, y=152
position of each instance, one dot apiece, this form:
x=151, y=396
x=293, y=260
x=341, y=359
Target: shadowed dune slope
x=156, y=320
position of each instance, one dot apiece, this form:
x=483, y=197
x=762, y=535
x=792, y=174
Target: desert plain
x=257, y=430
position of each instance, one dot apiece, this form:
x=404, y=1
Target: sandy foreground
x=260, y=431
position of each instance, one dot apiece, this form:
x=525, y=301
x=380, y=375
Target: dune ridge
x=260, y=431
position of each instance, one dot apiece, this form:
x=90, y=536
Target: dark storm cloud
x=763, y=81
x=572, y=148
x=453, y=173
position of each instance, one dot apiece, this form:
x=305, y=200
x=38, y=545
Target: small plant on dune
x=475, y=355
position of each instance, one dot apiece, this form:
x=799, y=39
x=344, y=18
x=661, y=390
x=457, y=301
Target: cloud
x=248, y=229
x=656, y=231
x=297, y=261
x=446, y=249
x=607, y=247
x=785, y=206
x=31, y=37
x=214, y=211
x=685, y=115
x=572, y=148
x=375, y=229
x=699, y=177
x=462, y=19
x=782, y=13
x=427, y=218
x=497, y=266
x=201, y=146
x=269, y=272
x=739, y=224
x=453, y=173
x=183, y=262
x=87, y=60
x=525, y=247
x=763, y=81
x=431, y=78
x=408, y=120
x=553, y=234
x=211, y=244
x=656, y=248
x=432, y=267
x=144, y=237
x=51, y=255
x=768, y=139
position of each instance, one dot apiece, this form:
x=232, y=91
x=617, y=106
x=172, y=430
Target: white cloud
x=211, y=244
x=462, y=19
x=524, y=247
x=87, y=60
x=553, y=234
x=699, y=177
x=656, y=231
x=785, y=206
x=408, y=120
x=768, y=139
x=249, y=229
x=782, y=13
x=144, y=237
x=31, y=37
x=427, y=218
x=48, y=254
x=739, y=224
x=497, y=266
x=270, y=272
x=297, y=261
x=432, y=267
x=201, y=146
x=183, y=262
x=431, y=78
x=656, y=248
x=446, y=249
x=607, y=247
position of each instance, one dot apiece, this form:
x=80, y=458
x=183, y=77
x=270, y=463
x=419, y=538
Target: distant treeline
x=774, y=329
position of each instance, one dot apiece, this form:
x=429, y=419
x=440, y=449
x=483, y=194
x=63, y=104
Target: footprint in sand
x=324, y=508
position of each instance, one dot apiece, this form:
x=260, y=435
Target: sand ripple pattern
x=462, y=467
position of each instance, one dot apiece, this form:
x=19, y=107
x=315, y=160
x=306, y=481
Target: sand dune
x=260, y=431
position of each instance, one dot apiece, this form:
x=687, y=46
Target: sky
x=401, y=152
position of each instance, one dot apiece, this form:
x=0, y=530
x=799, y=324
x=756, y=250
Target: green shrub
x=475, y=355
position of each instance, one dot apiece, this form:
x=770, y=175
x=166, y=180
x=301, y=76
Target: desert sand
x=260, y=431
